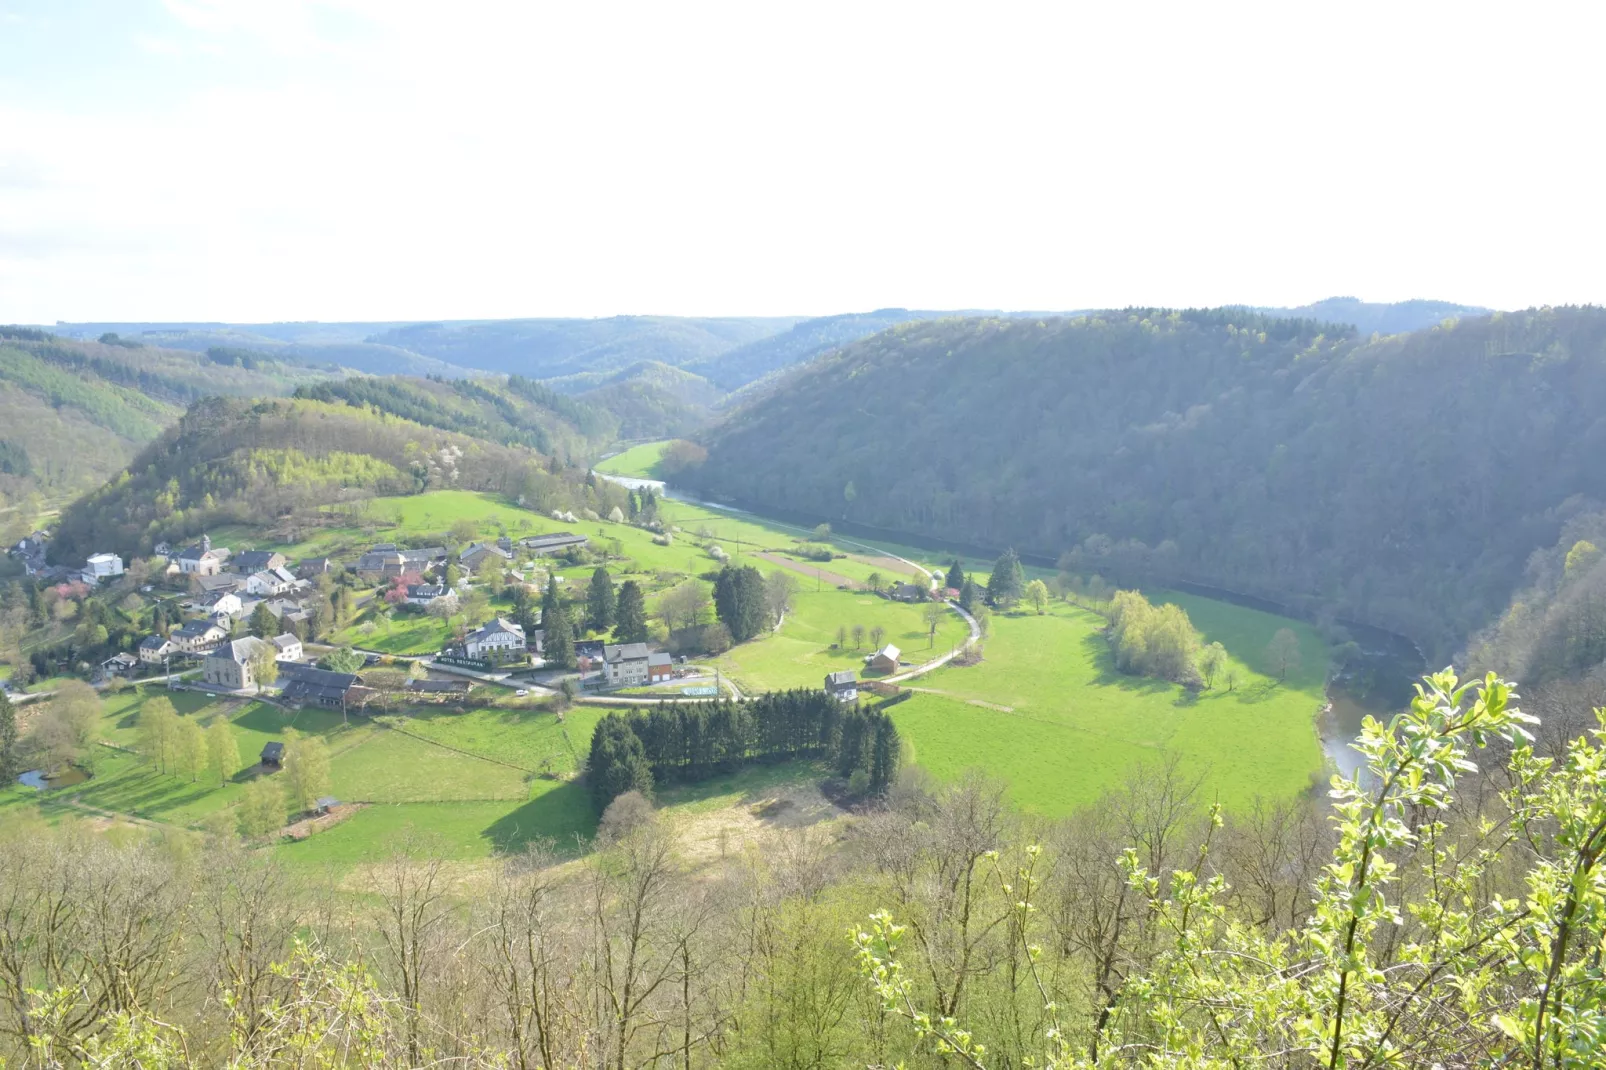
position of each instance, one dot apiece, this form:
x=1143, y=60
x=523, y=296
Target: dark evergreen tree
x=618, y=762
x=550, y=600
x=884, y=754
x=969, y=595
x=10, y=760
x=600, y=600
x=1008, y=581
x=630, y=614
x=557, y=644
x=739, y=601
x=956, y=576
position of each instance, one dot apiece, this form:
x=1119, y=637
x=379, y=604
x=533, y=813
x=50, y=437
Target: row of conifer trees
x=688, y=742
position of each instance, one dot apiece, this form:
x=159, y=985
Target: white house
x=427, y=594
x=102, y=566
x=625, y=664
x=154, y=648
x=198, y=636
x=224, y=605
x=288, y=647
x=269, y=581
x=498, y=640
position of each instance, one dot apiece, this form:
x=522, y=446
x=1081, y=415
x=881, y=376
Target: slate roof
x=616, y=653
x=841, y=680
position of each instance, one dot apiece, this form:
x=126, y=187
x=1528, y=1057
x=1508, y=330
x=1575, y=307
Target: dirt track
x=811, y=571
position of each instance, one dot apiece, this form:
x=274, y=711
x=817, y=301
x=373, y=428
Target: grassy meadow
x=1046, y=711
x=639, y=462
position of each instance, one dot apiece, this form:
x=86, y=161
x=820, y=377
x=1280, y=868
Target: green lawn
x=394, y=767
x=1075, y=727
x=801, y=653
x=531, y=739
x=557, y=810
x=640, y=461
x=403, y=634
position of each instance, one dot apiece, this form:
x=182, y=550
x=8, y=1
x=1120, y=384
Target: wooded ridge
x=1401, y=480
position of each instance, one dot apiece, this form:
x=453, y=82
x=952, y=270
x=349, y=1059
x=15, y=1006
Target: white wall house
x=102, y=566
x=497, y=640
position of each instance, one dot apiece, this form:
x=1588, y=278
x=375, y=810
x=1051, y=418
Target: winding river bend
x=1377, y=683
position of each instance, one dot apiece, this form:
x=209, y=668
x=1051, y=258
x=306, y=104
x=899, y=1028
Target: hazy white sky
x=383, y=159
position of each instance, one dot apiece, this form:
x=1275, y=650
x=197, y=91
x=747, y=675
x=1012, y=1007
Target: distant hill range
x=729, y=352
x=1369, y=317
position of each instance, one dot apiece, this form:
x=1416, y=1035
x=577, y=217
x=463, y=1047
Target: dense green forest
x=547, y=348
x=260, y=462
x=72, y=413
x=1403, y=481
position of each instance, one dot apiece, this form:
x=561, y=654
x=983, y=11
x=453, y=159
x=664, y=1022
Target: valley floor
x=1043, y=710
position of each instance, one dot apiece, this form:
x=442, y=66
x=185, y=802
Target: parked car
x=521, y=693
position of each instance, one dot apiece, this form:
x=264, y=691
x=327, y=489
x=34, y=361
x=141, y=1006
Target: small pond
x=35, y=778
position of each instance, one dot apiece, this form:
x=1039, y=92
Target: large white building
x=102, y=566
x=498, y=640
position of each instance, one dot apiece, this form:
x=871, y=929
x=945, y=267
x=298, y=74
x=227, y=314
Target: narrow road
x=936, y=663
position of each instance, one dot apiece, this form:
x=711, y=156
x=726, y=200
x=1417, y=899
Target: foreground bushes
x=1444, y=915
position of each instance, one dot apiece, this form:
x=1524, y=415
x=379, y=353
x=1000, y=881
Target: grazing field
x=803, y=651
x=1047, y=712
x=639, y=462
x=1044, y=710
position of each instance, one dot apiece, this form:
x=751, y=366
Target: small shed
x=325, y=803
x=273, y=753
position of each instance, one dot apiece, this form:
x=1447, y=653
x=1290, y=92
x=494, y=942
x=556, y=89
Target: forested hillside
x=1403, y=481
x=72, y=413
x=653, y=400
x=313, y=345
x=745, y=364
x=259, y=463
x=547, y=348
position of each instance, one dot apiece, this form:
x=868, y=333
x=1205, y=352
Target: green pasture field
x=640, y=462
x=1061, y=726
x=801, y=653
x=403, y=634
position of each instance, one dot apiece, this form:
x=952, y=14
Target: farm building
x=883, y=660
x=842, y=685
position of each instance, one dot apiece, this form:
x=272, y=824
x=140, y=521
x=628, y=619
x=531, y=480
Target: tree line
x=689, y=742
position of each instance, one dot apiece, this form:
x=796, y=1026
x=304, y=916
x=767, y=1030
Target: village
x=254, y=624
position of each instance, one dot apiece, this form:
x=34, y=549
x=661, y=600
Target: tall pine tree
x=630, y=614
x=10, y=761
x=956, y=576
x=600, y=602
x=557, y=643
x=1008, y=581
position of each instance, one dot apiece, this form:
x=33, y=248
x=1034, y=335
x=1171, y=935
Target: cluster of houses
x=29, y=551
